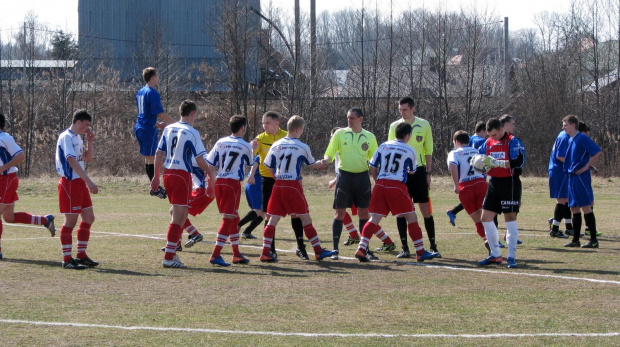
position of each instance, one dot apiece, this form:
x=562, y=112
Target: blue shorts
x=147, y=139
x=558, y=184
x=253, y=194
x=580, y=190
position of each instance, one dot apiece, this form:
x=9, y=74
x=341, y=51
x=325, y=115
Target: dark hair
x=81, y=115
x=571, y=119
x=494, y=124
x=407, y=100
x=583, y=127
x=461, y=136
x=357, y=111
x=187, y=107
x=236, y=123
x=273, y=115
x=148, y=73
x=2, y=121
x=480, y=126
x=402, y=130
x=506, y=118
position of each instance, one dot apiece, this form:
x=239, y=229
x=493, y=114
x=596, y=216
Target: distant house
x=14, y=69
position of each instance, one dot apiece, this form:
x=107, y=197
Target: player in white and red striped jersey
x=230, y=155
x=179, y=145
x=389, y=166
x=11, y=155
x=74, y=189
x=285, y=160
x=469, y=184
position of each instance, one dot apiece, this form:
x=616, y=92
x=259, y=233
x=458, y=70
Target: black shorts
x=503, y=195
x=352, y=188
x=417, y=186
x=266, y=188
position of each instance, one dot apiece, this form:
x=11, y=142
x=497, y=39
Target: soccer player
x=199, y=201
x=505, y=153
x=11, y=155
x=418, y=183
x=390, y=166
x=179, y=144
x=254, y=198
x=354, y=147
x=469, y=184
x=558, y=185
x=262, y=145
x=285, y=160
x=475, y=141
x=73, y=189
x=145, y=130
x=581, y=154
x=230, y=155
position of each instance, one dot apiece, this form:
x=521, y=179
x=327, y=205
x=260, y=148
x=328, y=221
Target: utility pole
x=506, y=59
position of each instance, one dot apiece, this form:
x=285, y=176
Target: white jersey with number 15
x=394, y=159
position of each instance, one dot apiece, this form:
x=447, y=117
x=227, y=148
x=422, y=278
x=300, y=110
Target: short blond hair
x=296, y=122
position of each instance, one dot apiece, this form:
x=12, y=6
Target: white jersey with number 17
x=462, y=159
x=286, y=157
x=394, y=159
x=181, y=143
x=230, y=155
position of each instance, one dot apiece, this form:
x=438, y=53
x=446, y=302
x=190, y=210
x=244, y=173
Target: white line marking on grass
x=276, y=333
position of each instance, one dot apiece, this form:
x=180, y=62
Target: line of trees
x=454, y=63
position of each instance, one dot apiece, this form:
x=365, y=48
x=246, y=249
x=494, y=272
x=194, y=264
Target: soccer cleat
x=501, y=245
x=573, y=244
x=427, y=255
x=386, y=247
x=559, y=234
x=240, y=259
x=351, y=241
x=491, y=260
x=218, y=261
x=267, y=258
x=174, y=263
x=87, y=262
x=590, y=244
x=73, y=265
x=519, y=242
x=247, y=236
x=160, y=193
x=302, y=254
x=361, y=256
x=452, y=217
x=434, y=249
x=569, y=232
x=324, y=254
x=404, y=254
x=193, y=240
x=512, y=263
x=179, y=248
x=335, y=256
x=371, y=255
x=598, y=233
x=50, y=224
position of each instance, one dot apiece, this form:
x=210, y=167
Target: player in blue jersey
x=581, y=154
x=558, y=185
x=475, y=141
x=505, y=155
x=150, y=111
x=254, y=197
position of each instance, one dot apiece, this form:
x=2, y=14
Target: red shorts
x=199, y=201
x=73, y=195
x=390, y=196
x=228, y=195
x=178, y=184
x=472, y=194
x=8, y=188
x=287, y=197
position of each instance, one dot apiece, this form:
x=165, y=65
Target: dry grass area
x=554, y=290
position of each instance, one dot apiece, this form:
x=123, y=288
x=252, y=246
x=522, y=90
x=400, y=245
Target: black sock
x=568, y=215
x=456, y=209
x=253, y=225
x=429, y=225
x=576, y=226
x=150, y=171
x=362, y=223
x=250, y=216
x=495, y=221
x=558, y=213
x=336, y=232
x=298, y=229
x=591, y=224
x=401, y=223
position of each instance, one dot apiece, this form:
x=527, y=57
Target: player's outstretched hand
x=251, y=180
x=92, y=187
x=210, y=191
x=490, y=162
x=155, y=184
x=160, y=126
x=254, y=144
x=332, y=183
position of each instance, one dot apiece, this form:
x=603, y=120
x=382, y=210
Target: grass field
x=557, y=296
